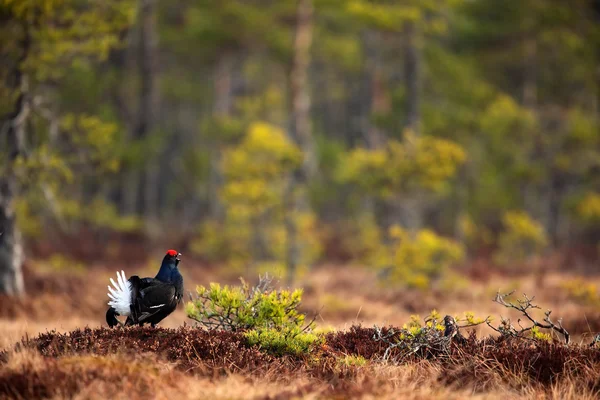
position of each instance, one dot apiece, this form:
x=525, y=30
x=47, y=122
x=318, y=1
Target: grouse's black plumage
x=147, y=300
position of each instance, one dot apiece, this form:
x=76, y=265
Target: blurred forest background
x=270, y=135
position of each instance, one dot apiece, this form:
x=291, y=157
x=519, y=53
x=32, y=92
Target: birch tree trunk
x=301, y=132
x=13, y=129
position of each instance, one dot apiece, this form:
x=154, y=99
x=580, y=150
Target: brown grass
x=146, y=362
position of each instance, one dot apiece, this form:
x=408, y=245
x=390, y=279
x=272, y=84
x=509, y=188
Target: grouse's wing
x=147, y=282
x=154, y=298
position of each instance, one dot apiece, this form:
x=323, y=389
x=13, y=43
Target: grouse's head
x=168, y=271
x=172, y=256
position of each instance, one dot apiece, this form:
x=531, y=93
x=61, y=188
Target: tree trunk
x=147, y=64
x=378, y=101
x=530, y=74
x=300, y=97
x=222, y=108
x=11, y=248
x=412, y=76
x=410, y=208
x=301, y=132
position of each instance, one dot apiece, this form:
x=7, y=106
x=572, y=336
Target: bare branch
x=524, y=306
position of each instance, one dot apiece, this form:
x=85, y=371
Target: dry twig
x=524, y=306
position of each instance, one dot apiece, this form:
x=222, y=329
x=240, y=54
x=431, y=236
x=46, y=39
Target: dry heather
x=146, y=362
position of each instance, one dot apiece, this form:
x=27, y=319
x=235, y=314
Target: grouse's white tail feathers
x=120, y=294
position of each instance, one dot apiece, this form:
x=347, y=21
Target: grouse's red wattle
x=146, y=300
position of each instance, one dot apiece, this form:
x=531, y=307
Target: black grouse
x=146, y=300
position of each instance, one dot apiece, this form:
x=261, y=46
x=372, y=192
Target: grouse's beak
x=178, y=258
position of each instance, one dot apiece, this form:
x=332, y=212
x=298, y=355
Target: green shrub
x=268, y=317
x=278, y=342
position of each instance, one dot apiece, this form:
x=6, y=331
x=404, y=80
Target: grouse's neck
x=169, y=273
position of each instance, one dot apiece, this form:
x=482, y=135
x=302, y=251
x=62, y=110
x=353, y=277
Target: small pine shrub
x=269, y=318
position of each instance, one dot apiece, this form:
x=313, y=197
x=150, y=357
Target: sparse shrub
x=430, y=336
x=522, y=238
x=530, y=326
x=268, y=317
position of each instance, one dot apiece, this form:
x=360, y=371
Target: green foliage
x=383, y=16
x=504, y=117
x=536, y=334
x=241, y=308
x=68, y=32
x=419, y=259
x=48, y=43
x=351, y=360
x=422, y=258
x=588, y=208
x=257, y=171
x=470, y=319
x=269, y=317
x=416, y=327
x=521, y=239
x=417, y=163
x=507, y=119
x=283, y=342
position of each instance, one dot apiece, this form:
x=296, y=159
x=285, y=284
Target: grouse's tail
x=120, y=295
x=111, y=317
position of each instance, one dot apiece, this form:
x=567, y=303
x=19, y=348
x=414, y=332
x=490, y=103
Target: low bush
x=269, y=318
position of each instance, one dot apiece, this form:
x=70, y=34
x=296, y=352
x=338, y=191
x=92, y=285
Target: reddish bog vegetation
x=108, y=356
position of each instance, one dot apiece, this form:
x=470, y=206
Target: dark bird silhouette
x=146, y=300
x=451, y=330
